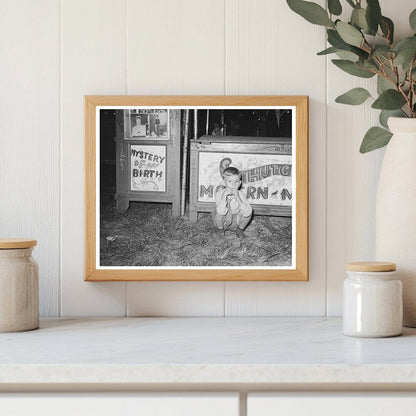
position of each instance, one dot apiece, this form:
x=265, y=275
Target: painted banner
x=266, y=179
x=148, y=168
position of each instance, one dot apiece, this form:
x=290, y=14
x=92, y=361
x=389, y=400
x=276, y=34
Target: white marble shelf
x=204, y=351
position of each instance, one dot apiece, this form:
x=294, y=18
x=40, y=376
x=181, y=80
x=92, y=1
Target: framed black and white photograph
x=196, y=188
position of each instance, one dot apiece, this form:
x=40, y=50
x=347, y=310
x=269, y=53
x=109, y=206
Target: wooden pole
x=207, y=126
x=195, y=124
x=185, y=162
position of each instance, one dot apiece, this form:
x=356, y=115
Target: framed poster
x=196, y=188
x=147, y=123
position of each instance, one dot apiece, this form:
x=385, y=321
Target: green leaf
x=356, y=96
x=335, y=40
x=349, y=34
x=373, y=15
x=406, y=66
x=358, y=18
x=386, y=114
x=383, y=84
x=387, y=27
x=347, y=55
x=412, y=20
x=405, y=43
x=389, y=100
x=311, y=12
x=381, y=50
x=375, y=138
x=362, y=54
x=405, y=50
x=327, y=51
x=352, y=68
x=334, y=7
x=371, y=64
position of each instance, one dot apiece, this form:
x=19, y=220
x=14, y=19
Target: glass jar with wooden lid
x=19, y=286
x=372, y=300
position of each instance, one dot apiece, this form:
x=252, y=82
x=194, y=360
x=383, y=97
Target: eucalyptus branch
x=380, y=63
x=386, y=60
x=411, y=82
x=366, y=39
x=365, y=42
x=393, y=68
x=382, y=35
x=384, y=73
x=372, y=71
x=412, y=64
x=395, y=71
x=406, y=97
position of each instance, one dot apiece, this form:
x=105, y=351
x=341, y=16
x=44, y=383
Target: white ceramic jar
x=19, y=286
x=372, y=300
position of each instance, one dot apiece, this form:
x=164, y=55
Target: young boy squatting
x=233, y=210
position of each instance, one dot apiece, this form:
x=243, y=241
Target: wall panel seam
x=326, y=179
x=225, y=48
x=326, y=184
x=126, y=88
x=60, y=265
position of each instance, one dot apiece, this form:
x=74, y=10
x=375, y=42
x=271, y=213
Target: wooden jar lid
x=11, y=243
x=371, y=266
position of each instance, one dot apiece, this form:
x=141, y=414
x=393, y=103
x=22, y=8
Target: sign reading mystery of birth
x=148, y=144
x=148, y=168
x=266, y=179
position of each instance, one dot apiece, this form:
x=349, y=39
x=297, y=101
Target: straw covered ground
x=147, y=235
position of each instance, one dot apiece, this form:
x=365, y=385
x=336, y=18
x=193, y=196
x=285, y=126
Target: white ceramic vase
x=396, y=210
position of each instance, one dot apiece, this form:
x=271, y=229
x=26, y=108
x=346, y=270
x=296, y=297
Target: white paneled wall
x=93, y=61
x=30, y=136
x=55, y=52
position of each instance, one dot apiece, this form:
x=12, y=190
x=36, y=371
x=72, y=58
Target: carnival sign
x=266, y=179
x=148, y=168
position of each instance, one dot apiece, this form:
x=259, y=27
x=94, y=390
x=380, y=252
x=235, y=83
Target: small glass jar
x=19, y=286
x=372, y=300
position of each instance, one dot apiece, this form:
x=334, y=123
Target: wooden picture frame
x=203, y=151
